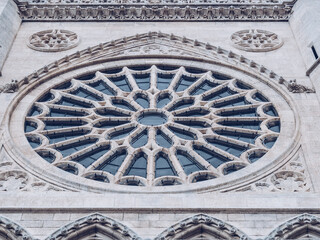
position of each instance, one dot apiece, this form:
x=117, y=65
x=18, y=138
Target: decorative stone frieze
x=256, y=40
x=305, y=226
x=150, y=10
x=236, y=2
x=55, y=40
x=14, y=178
x=93, y=227
x=202, y=226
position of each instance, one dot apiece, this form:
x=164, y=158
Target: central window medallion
x=152, y=125
x=152, y=118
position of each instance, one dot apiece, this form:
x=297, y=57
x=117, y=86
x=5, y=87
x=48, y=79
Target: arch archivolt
x=94, y=226
x=305, y=226
x=10, y=230
x=202, y=226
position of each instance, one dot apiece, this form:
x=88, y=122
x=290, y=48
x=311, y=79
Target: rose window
x=152, y=125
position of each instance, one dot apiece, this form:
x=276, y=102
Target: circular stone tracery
x=154, y=125
x=256, y=40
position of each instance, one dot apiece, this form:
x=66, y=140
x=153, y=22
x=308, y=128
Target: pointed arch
x=305, y=226
x=202, y=226
x=11, y=230
x=94, y=226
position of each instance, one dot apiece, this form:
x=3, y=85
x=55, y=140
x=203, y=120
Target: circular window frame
x=28, y=158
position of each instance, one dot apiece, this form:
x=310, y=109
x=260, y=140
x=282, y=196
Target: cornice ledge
x=154, y=10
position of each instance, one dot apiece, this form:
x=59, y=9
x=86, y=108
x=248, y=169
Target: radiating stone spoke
x=120, y=121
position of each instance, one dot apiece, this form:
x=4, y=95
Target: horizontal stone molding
x=155, y=11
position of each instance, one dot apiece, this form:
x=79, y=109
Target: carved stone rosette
x=55, y=40
x=292, y=177
x=255, y=40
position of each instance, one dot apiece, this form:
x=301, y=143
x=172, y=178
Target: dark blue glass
x=182, y=133
x=184, y=103
x=103, y=87
x=163, y=140
x=188, y=164
x=121, y=133
x=164, y=80
x=74, y=103
x=164, y=166
x=142, y=80
x=140, y=140
x=84, y=93
x=225, y=92
x=227, y=147
x=203, y=87
x=113, y=163
x=69, y=149
x=138, y=166
x=122, y=83
x=59, y=137
x=210, y=156
x=184, y=83
x=253, y=125
x=90, y=157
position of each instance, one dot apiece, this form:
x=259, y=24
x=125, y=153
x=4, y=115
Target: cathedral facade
x=159, y=119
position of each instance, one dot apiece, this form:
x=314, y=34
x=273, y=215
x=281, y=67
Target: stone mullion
x=153, y=78
x=118, y=128
x=176, y=79
x=92, y=90
x=114, y=87
x=131, y=79
x=218, y=151
x=202, y=161
x=238, y=130
x=196, y=84
x=125, y=165
x=81, y=99
x=105, y=157
x=213, y=90
x=176, y=164
x=171, y=136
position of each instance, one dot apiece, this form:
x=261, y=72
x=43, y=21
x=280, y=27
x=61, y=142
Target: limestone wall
x=255, y=211
x=9, y=25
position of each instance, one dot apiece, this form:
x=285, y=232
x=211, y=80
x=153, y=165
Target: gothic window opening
x=142, y=123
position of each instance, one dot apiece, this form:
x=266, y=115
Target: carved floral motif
x=255, y=40
x=14, y=178
x=53, y=40
x=290, y=178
